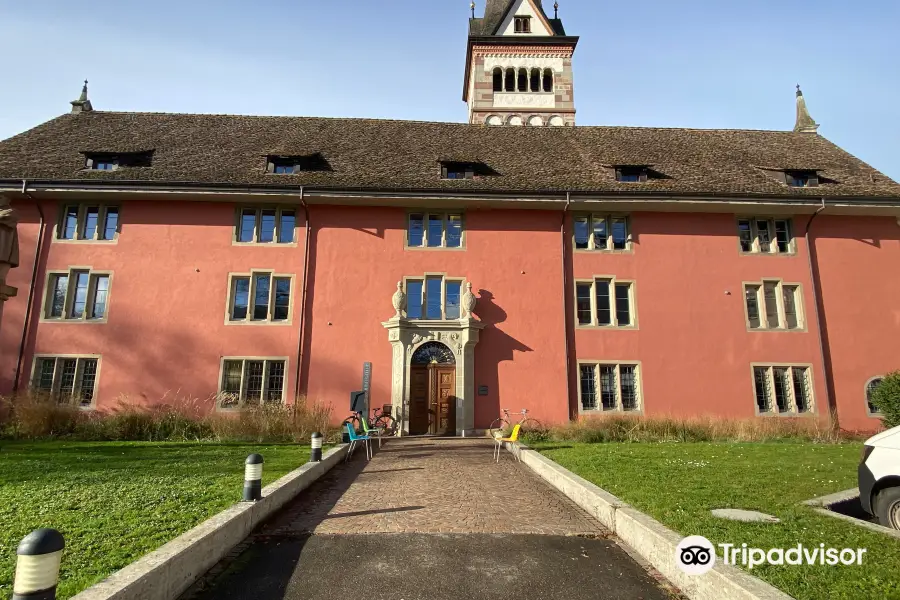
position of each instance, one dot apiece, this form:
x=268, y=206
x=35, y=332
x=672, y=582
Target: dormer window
x=523, y=24
x=458, y=171
x=283, y=166
x=631, y=174
x=801, y=179
x=289, y=165
x=95, y=161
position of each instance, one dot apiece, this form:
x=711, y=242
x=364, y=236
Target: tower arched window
x=523, y=80
x=548, y=80
x=510, y=80
x=535, y=80
x=498, y=79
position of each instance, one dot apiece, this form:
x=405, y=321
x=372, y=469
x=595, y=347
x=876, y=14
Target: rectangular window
x=79, y=302
x=110, y=223
x=782, y=390
x=588, y=387
x=434, y=298
x=454, y=291
x=609, y=387
x=745, y=233
x=763, y=236
x=265, y=226
x=260, y=298
x=582, y=233
x=789, y=295
x=602, y=232
x=583, y=303
x=751, y=292
x=414, y=297
x=604, y=313
x=523, y=24
x=603, y=292
x=434, y=230
x=250, y=381
x=77, y=295
x=770, y=301
x=756, y=235
x=780, y=307
x=761, y=386
x=67, y=379
x=88, y=223
x=91, y=220
x=623, y=304
x=435, y=236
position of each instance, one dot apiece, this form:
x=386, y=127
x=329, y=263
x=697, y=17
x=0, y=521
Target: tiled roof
x=405, y=155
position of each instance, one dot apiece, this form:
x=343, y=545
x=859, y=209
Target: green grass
x=114, y=502
x=679, y=483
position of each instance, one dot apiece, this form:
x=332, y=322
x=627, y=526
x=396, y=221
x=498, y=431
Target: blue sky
x=693, y=63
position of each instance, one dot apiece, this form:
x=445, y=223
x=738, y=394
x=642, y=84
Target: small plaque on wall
x=482, y=390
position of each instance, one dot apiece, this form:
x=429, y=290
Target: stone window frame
x=869, y=412
x=279, y=209
x=445, y=218
x=79, y=374
x=608, y=218
x=771, y=222
x=249, y=321
x=102, y=212
x=522, y=24
x=618, y=364
x=242, y=400
x=444, y=279
x=49, y=280
x=613, y=280
x=780, y=284
x=770, y=383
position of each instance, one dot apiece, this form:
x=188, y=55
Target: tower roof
x=495, y=12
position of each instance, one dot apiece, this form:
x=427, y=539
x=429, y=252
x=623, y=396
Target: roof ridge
x=458, y=123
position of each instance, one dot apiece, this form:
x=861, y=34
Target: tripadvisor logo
x=696, y=555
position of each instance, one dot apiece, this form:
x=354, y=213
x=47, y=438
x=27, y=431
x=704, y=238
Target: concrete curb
x=823, y=504
x=650, y=539
x=168, y=571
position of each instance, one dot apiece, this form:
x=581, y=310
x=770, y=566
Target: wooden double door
x=432, y=402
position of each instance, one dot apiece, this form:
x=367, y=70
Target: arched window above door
x=433, y=352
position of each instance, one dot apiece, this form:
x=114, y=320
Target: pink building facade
x=574, y=271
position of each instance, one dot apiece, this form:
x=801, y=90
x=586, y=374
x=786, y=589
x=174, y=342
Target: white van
x=879, y=477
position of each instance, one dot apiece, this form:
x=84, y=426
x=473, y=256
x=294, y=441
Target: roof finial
x=472, y=6
x=82, y=104
x=805, y=123
x=556, y=10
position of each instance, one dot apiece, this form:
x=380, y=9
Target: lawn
x=114, y=502
x=679, y=483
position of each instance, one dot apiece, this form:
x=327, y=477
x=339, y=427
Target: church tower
x=519, y=66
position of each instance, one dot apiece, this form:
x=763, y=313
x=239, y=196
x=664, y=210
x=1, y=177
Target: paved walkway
x=435, y=486
x=371, y=525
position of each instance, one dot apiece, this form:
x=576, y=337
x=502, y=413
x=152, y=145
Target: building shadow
x=495, y=346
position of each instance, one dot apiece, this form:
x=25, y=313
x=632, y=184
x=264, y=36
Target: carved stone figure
x=399, y=299
x=468, y=302
x=9, y=239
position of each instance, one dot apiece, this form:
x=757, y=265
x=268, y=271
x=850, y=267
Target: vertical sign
x=367, y=383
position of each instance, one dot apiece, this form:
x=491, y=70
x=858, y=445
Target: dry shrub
x=37, y=415
x=636, y=428
x=293, y=422
x=175, y=418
